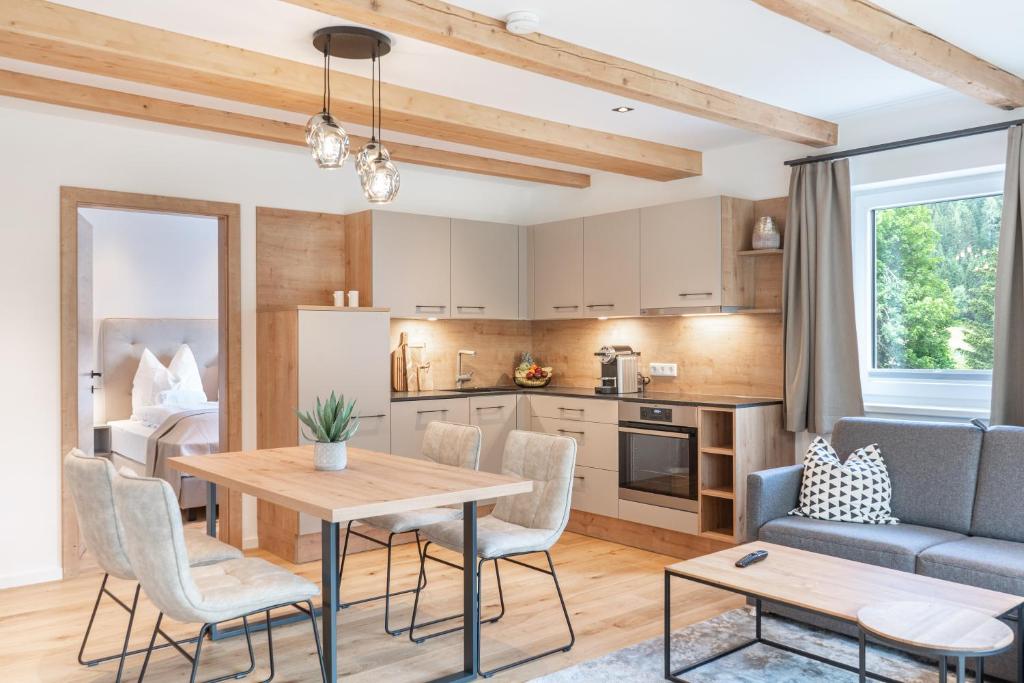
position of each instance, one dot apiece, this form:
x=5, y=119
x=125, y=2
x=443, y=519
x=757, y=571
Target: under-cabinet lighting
x=622, y=110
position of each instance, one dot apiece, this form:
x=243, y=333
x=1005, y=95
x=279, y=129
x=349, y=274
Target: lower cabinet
x=597, y=444
x=596, y=491
x=409, y=420
x=496, y=417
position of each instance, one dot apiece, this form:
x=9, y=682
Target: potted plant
x=332, y=424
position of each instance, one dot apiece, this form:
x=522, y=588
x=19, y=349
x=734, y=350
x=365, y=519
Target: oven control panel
x=656, y=414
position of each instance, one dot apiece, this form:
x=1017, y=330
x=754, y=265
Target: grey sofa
x=957, y=490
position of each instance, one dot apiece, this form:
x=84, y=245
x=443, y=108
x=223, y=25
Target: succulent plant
x=331, y=421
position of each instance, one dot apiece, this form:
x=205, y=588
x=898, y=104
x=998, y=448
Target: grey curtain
x=1008, y=370
x=822, y=377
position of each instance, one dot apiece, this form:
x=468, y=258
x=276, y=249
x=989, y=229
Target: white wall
x=43, y=147
x=150, y=265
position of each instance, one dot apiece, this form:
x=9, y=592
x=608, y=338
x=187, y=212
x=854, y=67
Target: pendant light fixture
x=327, y=140
x=378, y=176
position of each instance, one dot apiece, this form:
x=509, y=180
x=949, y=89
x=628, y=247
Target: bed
x=168, y=431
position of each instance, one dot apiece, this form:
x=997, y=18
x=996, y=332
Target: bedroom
x=151, y=282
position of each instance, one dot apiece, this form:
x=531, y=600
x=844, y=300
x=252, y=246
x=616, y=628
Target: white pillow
x=151, y=378
x=185, y=368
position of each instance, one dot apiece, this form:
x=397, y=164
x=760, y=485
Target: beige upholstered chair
x=155, y=545
x=519, y=525
x=90, y=481
x=443, y=442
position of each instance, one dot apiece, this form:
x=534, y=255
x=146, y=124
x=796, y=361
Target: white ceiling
x=731, y=44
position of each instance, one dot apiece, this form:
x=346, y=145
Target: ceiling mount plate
x=352, y=42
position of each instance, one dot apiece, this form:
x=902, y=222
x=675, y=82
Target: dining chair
x=520, y=525
x=443, y=442
x=234, y=589
x=90, y=480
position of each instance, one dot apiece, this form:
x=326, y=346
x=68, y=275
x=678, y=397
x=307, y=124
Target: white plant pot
x=330, y=456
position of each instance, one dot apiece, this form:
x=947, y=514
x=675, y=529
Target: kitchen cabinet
x=597, y=444
x=558, y=269
x=596, y=491
x=484, y=270
x=496, y=417
x=409, y=420
x=299, y=360
x=681, y=254
x=611, y=264
x=570, y=408
x=412, y=264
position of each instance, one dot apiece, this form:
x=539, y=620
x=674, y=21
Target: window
x=925, y=254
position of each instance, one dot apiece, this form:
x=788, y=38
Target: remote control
x=750, y=559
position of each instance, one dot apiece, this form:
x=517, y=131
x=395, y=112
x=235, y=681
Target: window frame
x=938, y=393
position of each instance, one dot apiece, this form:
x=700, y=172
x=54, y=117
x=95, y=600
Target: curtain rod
x=911, y=142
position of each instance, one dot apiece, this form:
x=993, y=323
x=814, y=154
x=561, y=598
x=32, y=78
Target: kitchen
x=464, y=300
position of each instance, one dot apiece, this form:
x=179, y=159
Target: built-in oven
x=658, y=454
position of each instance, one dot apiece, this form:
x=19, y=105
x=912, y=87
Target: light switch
x=664, y=370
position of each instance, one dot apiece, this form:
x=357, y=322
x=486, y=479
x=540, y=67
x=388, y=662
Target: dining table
x=372, y=484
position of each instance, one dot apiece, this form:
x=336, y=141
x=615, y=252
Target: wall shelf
x=760, y=252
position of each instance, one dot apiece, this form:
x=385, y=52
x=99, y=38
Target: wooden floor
x=614, y=594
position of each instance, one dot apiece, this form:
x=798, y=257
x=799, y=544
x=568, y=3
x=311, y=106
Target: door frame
x=229, y=333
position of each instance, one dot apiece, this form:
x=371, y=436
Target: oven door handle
x=653, y=432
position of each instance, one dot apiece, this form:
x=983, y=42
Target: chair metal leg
x=341, y=569
x=387, y=594
x=413, y=625
x=92, y=618
x=128, y=633
x=316, y=638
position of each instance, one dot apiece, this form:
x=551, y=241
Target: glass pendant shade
x=381, y=180
x=328, y=141
x=370, y=151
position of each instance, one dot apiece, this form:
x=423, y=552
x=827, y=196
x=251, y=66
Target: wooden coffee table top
x=937, y=626
x=832, y=586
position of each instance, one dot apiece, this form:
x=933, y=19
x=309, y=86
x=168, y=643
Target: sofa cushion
x=857, y=490
x=982, y=562
x=999, y=505
x=933, y=466
x=892, y=546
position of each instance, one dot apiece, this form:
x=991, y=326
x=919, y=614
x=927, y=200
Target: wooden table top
x=833, y=586
x=938, y=626
x=373, y=483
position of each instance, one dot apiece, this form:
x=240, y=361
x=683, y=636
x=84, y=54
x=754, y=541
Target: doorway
x=78, y=357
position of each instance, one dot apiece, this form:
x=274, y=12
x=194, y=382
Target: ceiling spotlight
x=522, y=23
x=622, y=110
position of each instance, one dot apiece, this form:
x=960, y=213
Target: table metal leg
x=1020, y=642
x=862, y=656
x=211, y=509
x=668, y=625
x=470, y=606
x=979, y=670
x=961, y=669
x=329, y=614
x=943, y=668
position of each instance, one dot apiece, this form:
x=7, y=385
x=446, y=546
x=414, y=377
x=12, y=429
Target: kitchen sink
x=482, y=390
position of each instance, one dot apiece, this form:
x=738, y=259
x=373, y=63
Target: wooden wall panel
x=300, y=257
x=359, y=255
x=768, y=269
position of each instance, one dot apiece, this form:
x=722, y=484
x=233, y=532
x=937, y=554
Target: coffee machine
x=620, y=369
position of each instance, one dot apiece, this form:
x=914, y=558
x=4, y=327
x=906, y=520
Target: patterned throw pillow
x=855, y=491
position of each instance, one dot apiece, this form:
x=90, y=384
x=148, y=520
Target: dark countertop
x=668, y=397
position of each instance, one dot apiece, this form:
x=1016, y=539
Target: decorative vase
x=330, y=457
x=766, y=235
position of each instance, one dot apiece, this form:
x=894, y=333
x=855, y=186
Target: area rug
x=643, y=662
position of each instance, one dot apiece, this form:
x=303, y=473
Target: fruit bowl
x=522, y=380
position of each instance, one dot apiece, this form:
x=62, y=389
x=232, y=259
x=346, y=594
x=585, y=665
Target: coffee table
x=826, y=586
x=937, y=629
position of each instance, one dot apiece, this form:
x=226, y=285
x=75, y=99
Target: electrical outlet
x=664, y=370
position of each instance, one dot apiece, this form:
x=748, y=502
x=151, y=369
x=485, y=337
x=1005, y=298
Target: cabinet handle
x=489, y=407
x=561, y=307
x=435, y=306
x=600, y=305
x=695, y=294
x=475, y=308
x=569, y=431
x=435, y=410
x=370, y=417
x=575, y=410
x=576, y=476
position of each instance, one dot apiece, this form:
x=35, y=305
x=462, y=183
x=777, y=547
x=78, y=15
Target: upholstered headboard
x=122, y=341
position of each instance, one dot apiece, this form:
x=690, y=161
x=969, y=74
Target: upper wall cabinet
x=611, y=264
x=558, y=269
x=412, y=264
x=681, y=254
x=485, y=270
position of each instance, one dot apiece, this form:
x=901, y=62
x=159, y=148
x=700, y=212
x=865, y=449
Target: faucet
x=461, y=377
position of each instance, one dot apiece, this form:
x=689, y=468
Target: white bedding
x=129, y=438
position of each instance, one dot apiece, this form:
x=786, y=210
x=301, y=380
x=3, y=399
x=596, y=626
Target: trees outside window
x=934, y=284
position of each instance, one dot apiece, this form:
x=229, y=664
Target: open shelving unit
x=717, y=451
x=760, y=252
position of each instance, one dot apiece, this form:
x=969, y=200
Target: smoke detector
x=522, y=22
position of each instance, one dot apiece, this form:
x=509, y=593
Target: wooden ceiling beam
x=63, y=93
x=47, y=33
x=878, y=32
x=460, y=29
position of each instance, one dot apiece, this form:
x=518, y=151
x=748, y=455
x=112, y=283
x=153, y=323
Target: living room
x=670, y=342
